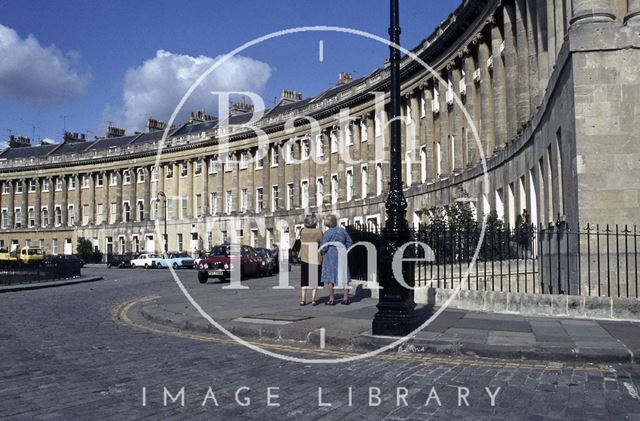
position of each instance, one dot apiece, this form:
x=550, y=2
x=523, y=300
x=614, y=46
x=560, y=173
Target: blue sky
x=94, y=61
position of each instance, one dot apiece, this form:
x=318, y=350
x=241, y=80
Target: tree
x=85, y=251
x=524, y=234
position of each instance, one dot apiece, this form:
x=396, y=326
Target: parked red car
x=217, y=264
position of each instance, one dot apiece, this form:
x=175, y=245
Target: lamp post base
x=395, y=319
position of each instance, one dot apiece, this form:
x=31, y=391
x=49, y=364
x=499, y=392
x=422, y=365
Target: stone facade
x=550, y=88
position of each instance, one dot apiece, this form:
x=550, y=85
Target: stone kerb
x=571, y=306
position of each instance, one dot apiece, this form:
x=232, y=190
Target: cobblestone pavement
x=65, y=357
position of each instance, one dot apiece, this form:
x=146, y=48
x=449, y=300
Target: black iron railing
x=592, y=261
x=51, y=269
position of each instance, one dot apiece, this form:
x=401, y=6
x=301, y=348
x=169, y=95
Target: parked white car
x=145, y=261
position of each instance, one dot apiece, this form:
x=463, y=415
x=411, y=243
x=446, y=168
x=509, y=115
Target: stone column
x=64, y=197
x=205, y=185
x=251, y=173
x=160, y=214
x=326, y=168
x=296, y=201
x=386, y=151
x=220, y=184
x=534, y=81
x=146, y=198
x=524, y=100
x=444, y=131
x=471, y=105
x=118, y=198
x=416, y=131
x=511, y=70
x=486, y=101
x=51, y=203
x=176, y=200
x=586, y=11
x=106, y=204
x=282, y=184
x=266, y=182
x=11, y=205
x=235, y=184
x=37, y=203
x=133, y=194
x=313, y=159
x=77, y=202
x=551, y=34
x=429, y=138
x=342, y=148
x=405, y=147
x=458, y=150
x=24, y=223
x=539, y=17
x=633, y=16
x=356, y=157
x=92, y=198
x=499, y=87
x=559, y=27
x=191, y=179
x=370, y=153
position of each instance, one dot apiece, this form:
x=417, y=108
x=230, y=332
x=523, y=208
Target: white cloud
x=42, y=76
x=155, y=88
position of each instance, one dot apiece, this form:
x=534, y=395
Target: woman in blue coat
x=334, y=271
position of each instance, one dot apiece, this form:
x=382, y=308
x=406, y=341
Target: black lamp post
x=166, y=237
x=396, y=308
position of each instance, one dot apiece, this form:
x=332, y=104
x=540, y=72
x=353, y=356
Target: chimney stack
x=114, y=132
x=200, y=116
x=241, y=107
x=19, y=141
x=70, y=137
x=290, y=96
x=344, y=78
x=155, y=125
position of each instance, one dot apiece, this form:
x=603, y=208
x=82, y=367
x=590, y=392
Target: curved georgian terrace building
x=552, y=87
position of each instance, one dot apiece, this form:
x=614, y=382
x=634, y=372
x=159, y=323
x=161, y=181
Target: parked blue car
x=176, y=261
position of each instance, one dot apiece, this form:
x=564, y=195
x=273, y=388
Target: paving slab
x=266, y=314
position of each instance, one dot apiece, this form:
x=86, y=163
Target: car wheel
x=146, y=266
x=175, y=265
x=202, y=277
x=133, y=265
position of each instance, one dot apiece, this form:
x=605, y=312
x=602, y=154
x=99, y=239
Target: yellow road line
x=120, y=313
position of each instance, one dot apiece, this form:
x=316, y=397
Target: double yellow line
x=121, y=314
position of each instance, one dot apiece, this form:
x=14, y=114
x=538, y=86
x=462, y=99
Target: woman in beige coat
x=310, y=259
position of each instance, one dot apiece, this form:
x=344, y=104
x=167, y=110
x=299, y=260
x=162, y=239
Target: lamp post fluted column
x=396, y=308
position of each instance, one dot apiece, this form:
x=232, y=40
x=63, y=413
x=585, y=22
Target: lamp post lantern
x=166, y=237
x=396, y=314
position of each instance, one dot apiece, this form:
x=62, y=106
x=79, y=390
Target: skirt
x=305, y=270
